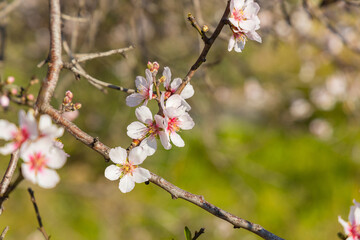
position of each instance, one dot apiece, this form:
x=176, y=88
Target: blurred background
x=276, y=139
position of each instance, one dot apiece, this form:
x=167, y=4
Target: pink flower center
x=173, y=124
x=37, y=162
x=238, y=15
x=128, y=168
x=20, y=136
x=240, y=36
x=354, y=231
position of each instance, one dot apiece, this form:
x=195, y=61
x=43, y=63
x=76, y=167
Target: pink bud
x=66, y=100
x=4, y=101
x=30, y=97
x=69, y=94
x=153, y=66
x=10, y=80
x=77, y=105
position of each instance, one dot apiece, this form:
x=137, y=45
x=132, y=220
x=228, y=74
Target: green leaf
x=187, y=233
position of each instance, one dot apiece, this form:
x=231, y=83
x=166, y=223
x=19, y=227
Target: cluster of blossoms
x=171, y=118
x=39, y=148
x=352, y=228
x=243, y=23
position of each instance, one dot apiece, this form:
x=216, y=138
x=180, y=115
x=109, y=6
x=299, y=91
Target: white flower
x=147, y=129
x=352, y=228
x=244, y=23
x=18, y=136
x=126, y=168
x=172, y=86
x=144, y=92
x=40, y=159
x=175, y=119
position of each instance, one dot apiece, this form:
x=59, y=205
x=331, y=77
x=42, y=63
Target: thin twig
x=198, y=233
x=9, y=172
x=9, y=8
x=2, y=236
x=202, y=58
x=74, y=19
x=10, y=189
x=89, y=56
x=38, y=217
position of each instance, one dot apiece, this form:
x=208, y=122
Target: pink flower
x=40, y=159
x=244, y=23
x=144, y=92
x=18, y=136
x=147, y=129
x=352, y=228
x=175, y=119
x=126, y=168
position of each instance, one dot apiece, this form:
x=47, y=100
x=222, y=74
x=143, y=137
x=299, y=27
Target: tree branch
x=2, y=236
x=38, y=217
x=89, y=56
x=9, y=172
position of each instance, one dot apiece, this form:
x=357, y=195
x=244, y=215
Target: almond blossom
x=18, y=136
x=175, y=119
x=40, y=159
x=352, y=228
x=243, y=22
x=126, y=168
x=144, y=92
x=147, y=129
x=172, y=86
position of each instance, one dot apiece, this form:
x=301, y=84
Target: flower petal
x=177, y=140
x=47, y=128
x=57, y=157
x=254, y=36
x=188, y=91
x=251, y=10
x=149, y=145
x=28, y=122
x=8, y=148
x=137, y=155
x=134, y=99
x=47, y=178
x=174, y=101
x=231, y=43
x=7, y=129
x=137, y=130
x=167, y=75
x=238, y=4
x=344, y=224
x=141, y=175
x=126, y=184
x=28, y=173
x=165, y=140
x=144, y=114
x=186, y=122
x=113, y=172
x=247, y=25
x=175, y=84
x=118, y=155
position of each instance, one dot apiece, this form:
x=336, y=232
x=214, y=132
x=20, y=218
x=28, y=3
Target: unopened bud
x=14, y=91
x=30, y=97
x=205, y=28
x=153, y=66
x=162, y=79
x=69, y=94
x=77, y=105
x=66, y=100
x=10, y=80
x=135, y=142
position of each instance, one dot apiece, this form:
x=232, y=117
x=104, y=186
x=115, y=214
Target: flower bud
x=77, y=105
x=205, y=28
x=66, y=100
x=69, y=94
x=10, y=80
x=30, y=97
x=153, y=66
x=34, y=81
x=149, y=65
x=162, y=79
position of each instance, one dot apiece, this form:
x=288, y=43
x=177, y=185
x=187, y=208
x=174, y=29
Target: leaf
x=187, y=233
